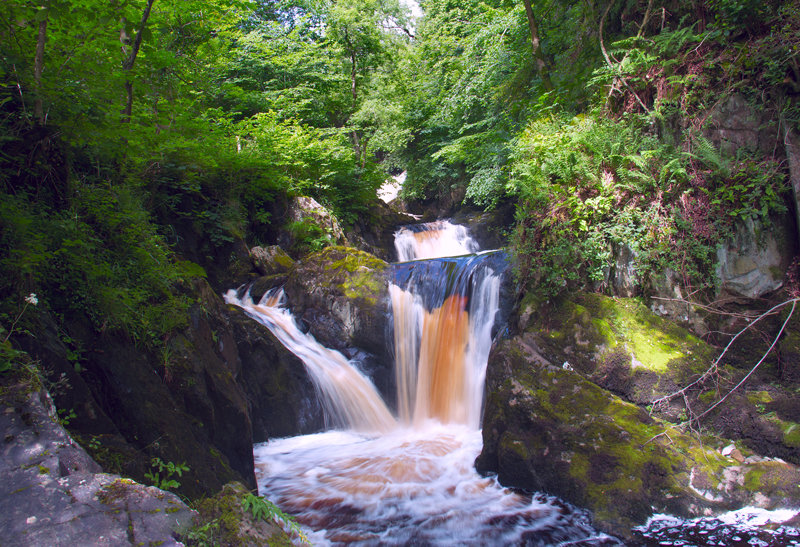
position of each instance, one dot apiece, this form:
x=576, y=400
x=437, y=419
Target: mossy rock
x=341, y=293
x=616, y=342
x=222, y=520
x=550, y=429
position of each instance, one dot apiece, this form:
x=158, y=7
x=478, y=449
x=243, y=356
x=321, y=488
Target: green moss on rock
x=223, y=521
x=552, y=430
x=617, y=342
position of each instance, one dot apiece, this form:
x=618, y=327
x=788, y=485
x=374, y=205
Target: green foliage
x=590, y=186
x=309, y=236
x=262, y=508
x=12, y=359
x=161, y=473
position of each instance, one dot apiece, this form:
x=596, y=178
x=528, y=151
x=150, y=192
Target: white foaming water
x=433, y=240
x=409, y=487
x=348, y=397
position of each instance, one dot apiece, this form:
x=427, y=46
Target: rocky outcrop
x=735, y=124
x=340, y=293
x=547, y=428
x=182, y=405
x=309, y=225
x=615, y=342
x=489, y=228
x=754, y=262
x=622, y=347
x=53, y=494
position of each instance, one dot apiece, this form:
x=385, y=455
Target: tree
x=538, y=55
x=130, y=57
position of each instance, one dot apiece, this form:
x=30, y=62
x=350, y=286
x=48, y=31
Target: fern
x=704, y=151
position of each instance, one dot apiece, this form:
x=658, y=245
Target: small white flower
x=31, y=299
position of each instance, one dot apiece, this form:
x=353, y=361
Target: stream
x=406, y=476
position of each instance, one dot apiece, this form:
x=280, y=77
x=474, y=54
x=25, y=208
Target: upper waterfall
x=433, y=240
x=443, y=312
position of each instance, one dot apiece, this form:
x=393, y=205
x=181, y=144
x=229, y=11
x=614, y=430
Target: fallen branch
x=714, y=368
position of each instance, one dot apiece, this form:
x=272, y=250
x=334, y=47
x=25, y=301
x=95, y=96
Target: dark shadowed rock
x=181, y=405
x=281, y=397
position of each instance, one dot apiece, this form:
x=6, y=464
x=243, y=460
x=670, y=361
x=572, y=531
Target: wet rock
x=53, y=494
x=374, y=230
x=281, y=397
x=489, y=228
x=341, y=294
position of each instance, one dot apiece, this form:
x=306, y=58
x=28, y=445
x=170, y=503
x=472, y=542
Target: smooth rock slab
x=52, y=493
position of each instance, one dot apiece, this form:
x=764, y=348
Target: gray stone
x=625, y=278
x=735, y=124
x=270, y=260
x=753, y=262
x=52, y=493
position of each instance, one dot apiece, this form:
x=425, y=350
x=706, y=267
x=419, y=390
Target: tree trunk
x=354, y=94
x=127, y=64
x=38, y=68
x=538, y=56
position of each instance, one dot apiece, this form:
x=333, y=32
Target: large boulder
x=620, y=345
x=309, y=225
x=53, y=494
x=547, y=428
x=616, y=342
x=341, y=295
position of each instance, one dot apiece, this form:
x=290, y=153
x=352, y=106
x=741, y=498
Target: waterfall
x=443, y=310
x=381, y=481
x=348, y=397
